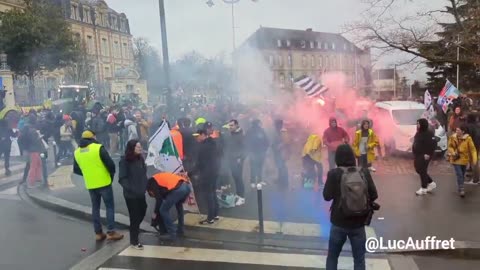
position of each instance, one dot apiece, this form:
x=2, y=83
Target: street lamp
x=166, y=61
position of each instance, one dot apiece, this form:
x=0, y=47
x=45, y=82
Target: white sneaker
x=421, y=191
x=431, y=186
x=253, y=185
x=372, y=169
x=471, y=183
x=263, y=183
x=240, y=201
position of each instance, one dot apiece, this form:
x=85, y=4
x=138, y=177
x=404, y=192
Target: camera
x=373, y=207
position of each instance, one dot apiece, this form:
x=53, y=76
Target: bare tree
x=81, y=71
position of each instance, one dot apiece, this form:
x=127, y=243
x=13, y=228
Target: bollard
x=44, y=170
x=55, y=160
x=260, y=208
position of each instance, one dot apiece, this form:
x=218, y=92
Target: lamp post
x=166, y=61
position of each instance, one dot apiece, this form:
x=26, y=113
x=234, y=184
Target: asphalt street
x=35, y=238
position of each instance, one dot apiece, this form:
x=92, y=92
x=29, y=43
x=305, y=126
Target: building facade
x=105, y=35
x=293, y=53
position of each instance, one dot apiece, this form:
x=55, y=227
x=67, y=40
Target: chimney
x=309, y=30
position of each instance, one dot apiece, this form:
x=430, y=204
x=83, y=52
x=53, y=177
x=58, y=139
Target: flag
x=447, y=95
x=427, y=99
x=310, y=86
x=162, y=153
x=429, y=106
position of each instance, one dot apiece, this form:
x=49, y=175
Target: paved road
x=35, y=238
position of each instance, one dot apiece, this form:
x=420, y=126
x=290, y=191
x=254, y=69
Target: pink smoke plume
x=342, y=102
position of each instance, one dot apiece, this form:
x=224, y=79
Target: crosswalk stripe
x=270, y=227
x=248, y=257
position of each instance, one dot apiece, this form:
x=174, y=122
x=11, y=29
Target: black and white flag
x=310, y=86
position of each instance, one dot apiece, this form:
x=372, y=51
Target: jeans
x=237, y=173
x=363, y=161
x=137, y=207
x=66, y=149
x=460, y=173
x=175, y=197
x=338, y=236
x=282, y=170
x=421, y=167
x=105, y=193
x=331, y=160
x=211, y=194
x=309, y=166
x=256, y=167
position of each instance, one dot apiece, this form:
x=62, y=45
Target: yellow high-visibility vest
x=94, y=171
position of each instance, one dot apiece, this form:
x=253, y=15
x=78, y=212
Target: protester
x=461, y=152
x=332, y=138
x=347, y=225
x=113, y=130
x=236, y=155
x=456, y=119
x=93, y=162
x=474, y=132
x=6, y=133
x=312, y=161
x=208, y=167
x=177, y=140
x=280, y=153
x=133, y=178
x=66, y=137
x=33, y=147
x=189, y=143
x=143, y=129
x=423, y=149
x=257, y=144
x=172, y=190
x=364, y=145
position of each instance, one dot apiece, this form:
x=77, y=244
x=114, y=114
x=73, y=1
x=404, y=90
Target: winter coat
x=334, y=136
x=423, y=141
x=313, y=148
x=372, y=143
x=344, y=157
x=208, y=160
x=462, y=150
x=66, y=133
x=236, y=145
x=256, y=140
x=131, y=130
x=143, y=130
x=133, y=177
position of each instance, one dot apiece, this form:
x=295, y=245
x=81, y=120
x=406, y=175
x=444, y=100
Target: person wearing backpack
x=353, y=192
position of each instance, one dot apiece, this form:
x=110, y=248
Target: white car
x=400, y=118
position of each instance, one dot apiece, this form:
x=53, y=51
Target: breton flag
x=310, y=86
x=447, y=95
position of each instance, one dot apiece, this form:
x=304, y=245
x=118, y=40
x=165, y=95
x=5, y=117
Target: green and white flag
x=162, y=153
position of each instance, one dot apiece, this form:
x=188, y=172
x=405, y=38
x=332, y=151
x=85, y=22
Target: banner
x=429, y=106
x=447, y=95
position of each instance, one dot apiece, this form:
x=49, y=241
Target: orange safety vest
x=178, y=141
x=168, y=180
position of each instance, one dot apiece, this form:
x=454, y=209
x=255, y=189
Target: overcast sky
x=193, y=25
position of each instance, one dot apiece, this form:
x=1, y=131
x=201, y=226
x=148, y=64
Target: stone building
x=291, y=53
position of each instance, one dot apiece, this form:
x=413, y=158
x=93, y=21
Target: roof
x=267, y=37
x=400, y=105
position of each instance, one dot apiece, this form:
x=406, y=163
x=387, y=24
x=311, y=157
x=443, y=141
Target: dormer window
x=279, y=43
x=325, y=46
x=303, y=44
x=333, y=46
x=312, y=44
x=288, y=43
x=319, y=44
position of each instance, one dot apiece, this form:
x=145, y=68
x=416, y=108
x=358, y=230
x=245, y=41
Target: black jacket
x=236, y=145
x=104, y=156
x=424, y=141
x=189, y=143
x=5, y=134
x=344, y=157
x=256, y=140
x=208, y=162
x=132, y=176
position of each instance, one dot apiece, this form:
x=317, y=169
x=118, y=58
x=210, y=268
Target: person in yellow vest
x=93, y=162
x=364, y=145
x=170, y=190
x=311, y=158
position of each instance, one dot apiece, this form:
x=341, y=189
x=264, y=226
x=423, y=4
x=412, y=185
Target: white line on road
x=247, y=257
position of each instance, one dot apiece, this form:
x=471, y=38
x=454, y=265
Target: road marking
x=15, y=167
x=248, y=257
x=270, y=227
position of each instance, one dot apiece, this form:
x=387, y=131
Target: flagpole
x=458, y=59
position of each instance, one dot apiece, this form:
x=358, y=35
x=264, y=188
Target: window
x=87, y=18
x=304, y=60
x=100, y=19
x=279, y=43
x=312, y=61
x=333, y=46
x=320, y=62
x=125, y=51
x=280, y=60
x=288, y=43
x=325, y=46
x=289, y=59
x=116, y=49
x=303, y=44
x=319, y=44
x=271, y=60
x=312, y=44
x=90, y=45
x=114, y=23
x=105, y=47
x=74, y=11
x=107, y=72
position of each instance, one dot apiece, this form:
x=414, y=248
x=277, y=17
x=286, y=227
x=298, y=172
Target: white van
x=404, y=116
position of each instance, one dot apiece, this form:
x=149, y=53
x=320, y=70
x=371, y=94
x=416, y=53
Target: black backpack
x=354, y=198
